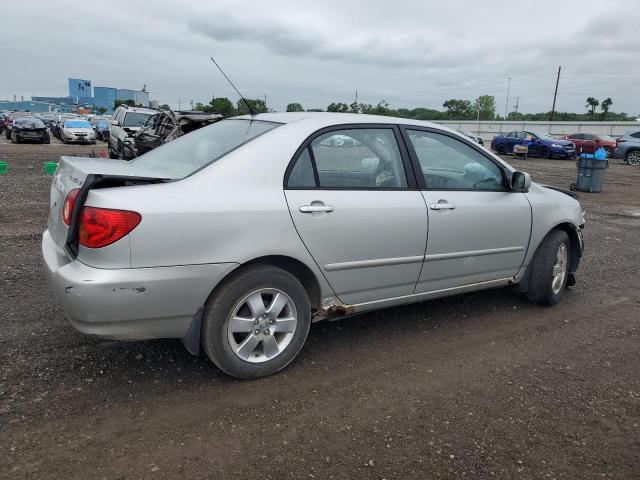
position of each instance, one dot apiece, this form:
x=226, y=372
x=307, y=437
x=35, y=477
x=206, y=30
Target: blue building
x=125, y=94
x=80, y=88
x=104, y=97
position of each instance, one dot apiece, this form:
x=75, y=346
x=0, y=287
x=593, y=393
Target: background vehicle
x=267, y=225
x=29, y=129
x=628, y=147
x=78, y=131
x=470, y=135
x=58, y=122
x=125, y=122
x=540, y=144
x=167, y=126
x=102, y=129
x=604, y=141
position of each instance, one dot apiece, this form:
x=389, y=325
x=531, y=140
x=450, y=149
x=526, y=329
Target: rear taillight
x=67, y=208
x=99, y=227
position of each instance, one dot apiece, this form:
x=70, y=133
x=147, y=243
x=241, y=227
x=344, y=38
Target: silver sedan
x=236, y=237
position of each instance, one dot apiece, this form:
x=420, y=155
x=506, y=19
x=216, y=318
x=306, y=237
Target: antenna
x=251, y=109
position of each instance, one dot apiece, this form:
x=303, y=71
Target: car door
x=354, y=202
x=511, y=140
x=577, y=139
x=478, y=229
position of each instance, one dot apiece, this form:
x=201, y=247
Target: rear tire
x=246, y=297
x=550, y=269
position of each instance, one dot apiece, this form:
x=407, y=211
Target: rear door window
x=362, y=158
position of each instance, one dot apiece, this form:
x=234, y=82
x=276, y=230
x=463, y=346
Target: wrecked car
x=236, y=237
x=167, y=126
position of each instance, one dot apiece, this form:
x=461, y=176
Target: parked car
x=237, y=236
x=125, y=122
x=78, y=131
x=470, y=135
x=102, y=129
x=58, y=123
x=8, y=122
x=29, y=129
x=628, y=147
x=539, y=144
x=601, y=141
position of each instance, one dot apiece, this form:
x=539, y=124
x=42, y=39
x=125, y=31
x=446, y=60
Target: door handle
x=442, y=206
x=316, y=208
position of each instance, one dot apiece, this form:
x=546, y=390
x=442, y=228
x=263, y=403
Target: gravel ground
x=483, y=385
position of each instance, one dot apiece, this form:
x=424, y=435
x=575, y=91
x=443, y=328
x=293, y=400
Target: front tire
x=550, y=269
x=632, y=158
x=501, y=150
x=255, y=323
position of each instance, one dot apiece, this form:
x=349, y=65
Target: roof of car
x=331, y=118
x=139, y=110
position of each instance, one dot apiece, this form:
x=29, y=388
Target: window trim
x=421, y=182
x=407, y=165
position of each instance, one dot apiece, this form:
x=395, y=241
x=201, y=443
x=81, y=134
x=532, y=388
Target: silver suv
x=125, y=122
x=237, y=236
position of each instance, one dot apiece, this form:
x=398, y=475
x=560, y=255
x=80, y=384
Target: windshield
x=103, y=124
x=135, y=119
x=189, y=153
x=543, y=135
x=77, y=124
x=607, y=138
x=35, y=122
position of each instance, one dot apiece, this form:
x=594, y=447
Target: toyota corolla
x=236, y=237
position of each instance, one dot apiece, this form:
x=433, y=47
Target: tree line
x=482, y=108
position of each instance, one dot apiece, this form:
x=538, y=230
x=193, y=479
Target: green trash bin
x=590, y=175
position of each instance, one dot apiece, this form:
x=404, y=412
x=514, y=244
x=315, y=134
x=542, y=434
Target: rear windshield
x=135, y=119
x=189, y=153
x=77, y=124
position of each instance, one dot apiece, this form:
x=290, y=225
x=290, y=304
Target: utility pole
x=179, y=104
x=356, y=95
x=506, y=105
x=515, y=107
x=555, y=95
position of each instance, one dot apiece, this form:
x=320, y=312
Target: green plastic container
x=4, y=168
x=50, y=168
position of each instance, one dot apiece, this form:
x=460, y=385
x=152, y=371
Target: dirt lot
x=479, y=386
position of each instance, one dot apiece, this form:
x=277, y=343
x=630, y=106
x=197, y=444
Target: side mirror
x=520, y=181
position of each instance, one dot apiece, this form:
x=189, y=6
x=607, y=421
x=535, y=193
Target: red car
x=604, y=141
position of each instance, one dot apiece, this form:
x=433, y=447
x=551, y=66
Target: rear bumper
x=132, y=303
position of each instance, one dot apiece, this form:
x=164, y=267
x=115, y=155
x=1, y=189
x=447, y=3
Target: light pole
x=506, y=105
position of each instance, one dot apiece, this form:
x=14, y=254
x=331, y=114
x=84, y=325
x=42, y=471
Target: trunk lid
x=87, y=173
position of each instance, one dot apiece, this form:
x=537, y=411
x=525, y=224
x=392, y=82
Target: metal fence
x=488, y=130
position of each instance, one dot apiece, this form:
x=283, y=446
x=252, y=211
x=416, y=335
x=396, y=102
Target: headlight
x=556, y=145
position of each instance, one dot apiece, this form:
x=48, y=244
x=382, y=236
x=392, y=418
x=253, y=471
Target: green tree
x=223, y=106
x=486, y=105
x=164, y=106
x=315, y=110
x=604, y=106
x=457, y=109
x=99, y=110
x=591, y=105
x=338, y=107
x=130, y=103
x=258, y=105
x=295, y=107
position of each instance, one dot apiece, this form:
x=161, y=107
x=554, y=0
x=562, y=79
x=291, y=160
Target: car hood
x=78, y=130
x=558, y=142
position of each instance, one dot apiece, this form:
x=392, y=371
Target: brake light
x=100, y=227
x=69, y=203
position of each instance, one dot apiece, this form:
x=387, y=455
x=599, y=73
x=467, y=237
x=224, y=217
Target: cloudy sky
x=409, y=52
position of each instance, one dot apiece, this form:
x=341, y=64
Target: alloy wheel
x=633, y=158
x=262, y=325
x=560, y=269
